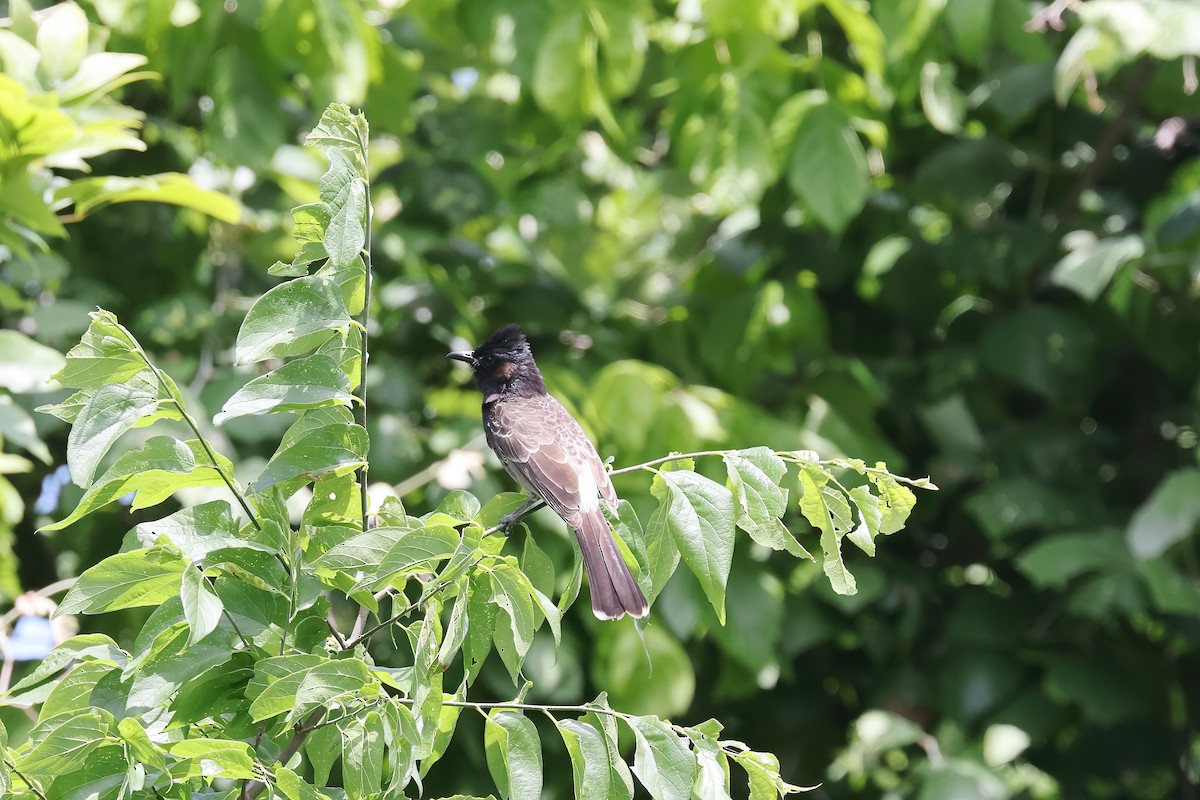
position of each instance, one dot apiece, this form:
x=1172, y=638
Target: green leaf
x=591, y=762
x=699, y=514
x=198, y=530
x=662, y=762
x=481, y=626
x=943, y=103
x=896, y=500
x=292, y=319
x=146, y=751
x=512, y=593
x=456, y=628
x=62, y=40
x=361, y=551
x=61, y=744
x=109, y=413
x=537, y=566
x=102, y=73
x=18, y=428
x=106, y=354
x=1169, y=516
x=828, y=167
x=102, y=774
x=862, y=31
x=84, y=647
x=762, y=771
x=216, y=758
x=660, y=551
x=333, y=449
x=427, y=678
x=754, y=477
x=155, y=472
x=25, y=365
x=514, y=755
x=402, y=738
x=201, y=607
x=558, y=68
x=306, y=685
x=447, y=722
x=126, y=580
x=73, y=692
x=347, y=231
x=712, y=780
x=339, y=129
x=1089, y=268
x=1055, y=560
x=362, y=755
x=970, y=25
x=817, y=509
x=92, y=194
x=310, y=382
x=416, y=551
x=294, y=787
x=869, y=517
x=323, y=747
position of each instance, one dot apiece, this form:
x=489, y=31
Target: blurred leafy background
x=961, y=236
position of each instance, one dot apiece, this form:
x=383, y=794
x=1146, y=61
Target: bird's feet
x=508, y=521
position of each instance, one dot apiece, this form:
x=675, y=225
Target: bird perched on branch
x=544, y=449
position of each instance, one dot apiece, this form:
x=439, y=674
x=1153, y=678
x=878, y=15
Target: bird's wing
x=543, y=447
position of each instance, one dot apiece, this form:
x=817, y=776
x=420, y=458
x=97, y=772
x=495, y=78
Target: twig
x=212, y=456
x=33, y=787
x=361, y=410
x=253, y=788
x=212, y=587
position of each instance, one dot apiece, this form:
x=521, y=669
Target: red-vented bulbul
x=544, y=449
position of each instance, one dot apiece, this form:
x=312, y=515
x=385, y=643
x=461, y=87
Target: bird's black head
x=504, y=365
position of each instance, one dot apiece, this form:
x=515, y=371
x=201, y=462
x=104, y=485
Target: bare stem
x=212, y=456
x=33, y=787
x=364, y=322
x=253, y=788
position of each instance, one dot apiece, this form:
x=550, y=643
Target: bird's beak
x=465, y=356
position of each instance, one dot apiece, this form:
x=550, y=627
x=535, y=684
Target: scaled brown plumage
x=544, y=449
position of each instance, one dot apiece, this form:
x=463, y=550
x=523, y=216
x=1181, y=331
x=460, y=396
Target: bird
x=546, y=451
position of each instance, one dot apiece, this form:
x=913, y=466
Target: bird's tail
x=614, y=590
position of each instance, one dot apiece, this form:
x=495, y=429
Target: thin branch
x=361, y=621
x=33, y=787
x=671, y=457
x=361, y=409
x=224, y=610
x=253, y=788
x=333, y=631
x=433, y=589
x=212, y=456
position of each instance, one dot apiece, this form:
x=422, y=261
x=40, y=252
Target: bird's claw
x=507, y=522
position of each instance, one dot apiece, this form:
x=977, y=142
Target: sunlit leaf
x=699, y=515
x=662, y=762
x=514, y=755
x=292, y=319
x=309, y=382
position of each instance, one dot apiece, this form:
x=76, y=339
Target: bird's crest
x=508, y=340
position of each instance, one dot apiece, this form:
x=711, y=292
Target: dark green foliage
x=919, y=232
